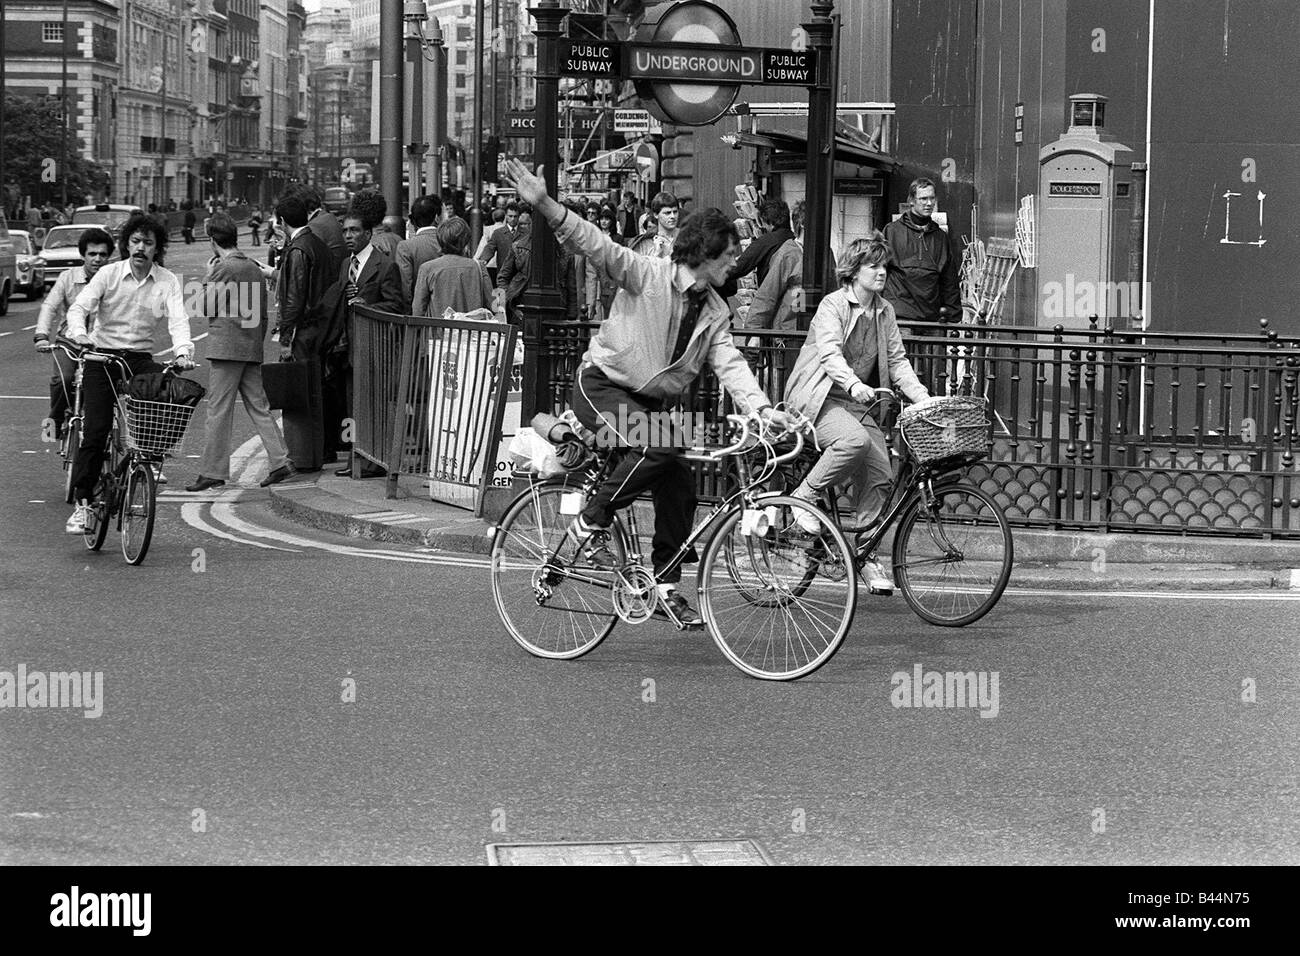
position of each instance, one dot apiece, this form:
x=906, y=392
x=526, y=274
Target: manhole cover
x=653, y=853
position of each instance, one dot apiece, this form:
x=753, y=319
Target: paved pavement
x=1044, y=559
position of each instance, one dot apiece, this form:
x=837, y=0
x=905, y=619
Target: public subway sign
x=691, y=68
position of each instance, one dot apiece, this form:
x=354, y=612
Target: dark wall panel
x=1223, y=93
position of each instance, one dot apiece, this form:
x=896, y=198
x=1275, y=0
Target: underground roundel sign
x=709, y=79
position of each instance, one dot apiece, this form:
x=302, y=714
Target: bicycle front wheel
x=778, y=601
x=73, y=440
x=552, y=601
x=952, y=559
x=101, y=512
x=139, y=505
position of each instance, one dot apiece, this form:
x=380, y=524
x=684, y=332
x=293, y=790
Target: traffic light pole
x=820, y=158
x=542, y=300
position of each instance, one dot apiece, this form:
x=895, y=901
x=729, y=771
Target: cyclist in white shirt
x=130, y=297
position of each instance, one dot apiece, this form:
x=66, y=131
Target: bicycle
x=776, y=600
x=952, y=548
x=70, y=434
x=142, y=434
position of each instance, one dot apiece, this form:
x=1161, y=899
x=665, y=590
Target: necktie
x=354, y=270
x=694, y=303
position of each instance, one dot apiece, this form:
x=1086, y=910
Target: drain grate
x=648, y=853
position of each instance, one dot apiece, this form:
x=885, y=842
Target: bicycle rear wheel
x=953, y=559
x=778, y=604
x=139, y=504
x=553, y=603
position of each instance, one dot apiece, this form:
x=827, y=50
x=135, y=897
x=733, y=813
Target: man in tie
x=667, y=322
x=368, y=277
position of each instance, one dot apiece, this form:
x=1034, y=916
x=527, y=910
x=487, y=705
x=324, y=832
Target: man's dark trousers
x=601, y=405
x=98, y=397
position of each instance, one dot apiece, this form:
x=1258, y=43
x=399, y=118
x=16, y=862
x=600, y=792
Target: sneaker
x=805, y=520
x=79, y=522
x=593, y=544
x=680, y=609
x=877, y=578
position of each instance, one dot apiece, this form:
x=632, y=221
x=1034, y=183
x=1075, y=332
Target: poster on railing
x=468, y=371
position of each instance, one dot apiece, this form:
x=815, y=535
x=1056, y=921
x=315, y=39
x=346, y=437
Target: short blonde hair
x=872, y=251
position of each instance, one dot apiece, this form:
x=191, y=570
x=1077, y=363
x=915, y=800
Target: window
x=460, y=104
x=460, y=81
x=463, y=34
x=52, y=32
x=461, y=58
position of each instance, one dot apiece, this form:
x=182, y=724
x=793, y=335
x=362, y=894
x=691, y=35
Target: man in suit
x=388, y=234
x=420, y=248
x=234, y=300
x=304, y=278
x=367, y=277
x=497, y=249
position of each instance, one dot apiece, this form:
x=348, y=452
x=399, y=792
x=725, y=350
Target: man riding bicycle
x=663, y=324
x=130, y=296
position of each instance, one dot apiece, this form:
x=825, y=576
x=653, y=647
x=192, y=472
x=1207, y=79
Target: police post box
x=1085, y=202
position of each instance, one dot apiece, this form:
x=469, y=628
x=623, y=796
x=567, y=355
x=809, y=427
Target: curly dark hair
x=369, y=206
x=94, y=237
x=143, y=222
x=704, y=235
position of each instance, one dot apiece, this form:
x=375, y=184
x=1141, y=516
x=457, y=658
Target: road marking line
x=190, y=515
x=192, y=339
x=27, y=328
x=3, y=334
x=28, y=398
x=372, y=514
x=1264, y=594
x=1295, y=579
x=26, y=452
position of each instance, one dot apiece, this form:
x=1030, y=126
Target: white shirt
x=59, y=299
x=130, y=309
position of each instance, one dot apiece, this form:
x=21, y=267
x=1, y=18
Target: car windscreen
x=110, y=219
x=61, y=238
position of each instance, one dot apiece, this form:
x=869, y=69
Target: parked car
x=31, y=267
x=336, y=199
x=110, y=216
x=8, y=266
x=60, y=251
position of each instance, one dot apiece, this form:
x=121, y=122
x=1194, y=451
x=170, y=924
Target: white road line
x=1264, y=594
x=3, y=334
x=27, y=328
x=1295, y=579
x=28, y=398
x=192, y=339
x=224, y=514
x=191, y=516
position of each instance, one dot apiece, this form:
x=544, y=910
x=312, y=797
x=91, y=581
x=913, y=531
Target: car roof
x=79, y=226
x=107, y=207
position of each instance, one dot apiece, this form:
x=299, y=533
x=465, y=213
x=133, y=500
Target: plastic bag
x=534, y=454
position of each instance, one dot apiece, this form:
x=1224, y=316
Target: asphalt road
x=229, y=734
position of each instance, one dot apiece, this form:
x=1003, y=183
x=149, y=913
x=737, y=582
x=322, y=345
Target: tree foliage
x=32, y=132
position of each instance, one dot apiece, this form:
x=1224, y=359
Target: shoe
x=679, y=608
x=806, y=521
x=203, y=484
x=593, y=544
x=79, y=522
x=283, y=473
x=158, y=477
x=878, y=579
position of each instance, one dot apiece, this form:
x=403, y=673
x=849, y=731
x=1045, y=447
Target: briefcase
x=287, y=385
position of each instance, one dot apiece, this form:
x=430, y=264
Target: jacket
x=498, y=244
x=330, y=232
x=517, y=274
x=451, y=282
x=305, y=275
x=234, y=301
x=757, y=256
x=379, y=284
x=821, y=362
x=385, y=242
x=773, y=306
x=634, y=344
x=922, y=273
x=411, y=255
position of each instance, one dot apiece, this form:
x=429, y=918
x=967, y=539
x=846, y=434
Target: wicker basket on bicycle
x=154, y=428
x=946, y=432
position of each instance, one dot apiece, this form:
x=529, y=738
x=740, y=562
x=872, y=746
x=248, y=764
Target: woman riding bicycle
x=130, y=296
x=854, y=350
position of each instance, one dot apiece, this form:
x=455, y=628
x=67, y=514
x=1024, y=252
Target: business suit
x=379, y=284
x=235, y=303
x=411, y=254
x=498, y=246
x=324, y=224
x=305, y=277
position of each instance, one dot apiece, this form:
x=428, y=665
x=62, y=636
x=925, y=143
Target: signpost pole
x=391, y=80
x=821, y=158
x=542, y=300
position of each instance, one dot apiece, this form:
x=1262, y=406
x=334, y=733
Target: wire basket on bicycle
x=946, y=431
x=154, y=428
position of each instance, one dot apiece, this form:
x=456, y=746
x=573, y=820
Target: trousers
x=226, y=380
x=98, y=395
x=854, y=452
x=61, y=387
x=602, y=406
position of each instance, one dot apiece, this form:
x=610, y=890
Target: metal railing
x=428, y=399
x=1094, y=429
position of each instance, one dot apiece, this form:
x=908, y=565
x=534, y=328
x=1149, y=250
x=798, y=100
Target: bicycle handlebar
x=746, y=435
x=86, y=353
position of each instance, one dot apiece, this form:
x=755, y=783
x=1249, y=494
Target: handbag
x=288, y=384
